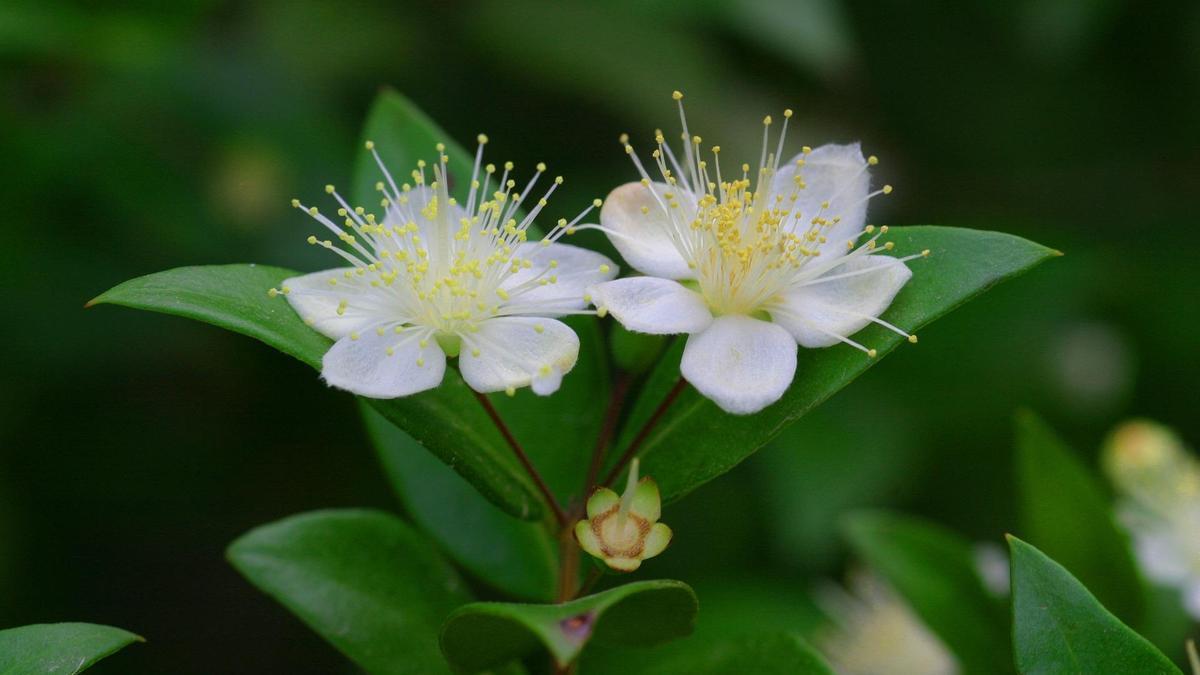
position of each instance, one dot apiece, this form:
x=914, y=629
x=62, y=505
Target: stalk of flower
x=1159, y=484
x=434, y=278
x=750, y=264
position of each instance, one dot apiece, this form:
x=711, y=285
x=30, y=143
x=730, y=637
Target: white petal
x=317, y=301
x=644, y=239
x=576, y=269
x=363, y=365
x=837, y=174
x=1191, y=599
x=652, y=305
x=518, y=351
x=741, y=363
x=839, y=304
x=1161, y=556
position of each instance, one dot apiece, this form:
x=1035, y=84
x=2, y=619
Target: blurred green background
x=139, y=136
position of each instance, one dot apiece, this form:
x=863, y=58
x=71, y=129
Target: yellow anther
x=508, y=166
x=296, y=203
x=420, y=363
x=558, y=180
x=312, y=211
x=872, y=353
x=787, y=113
x=887, y=189
x=912, y=339
x=767, y=121
x=623, y=139
x=628, y=149
x=539, y=328
x=541, y=166
x=482, y=138
x=677, y=95
x=370, y=145
x=329, y=189
x=354, y=336
x=883, y=229
x=925, y=253
x=272, y=292
x=510, y=391
x=806, y=149
x=872, y=160
x=597, y=202
x=604, y=269
x=312, y=239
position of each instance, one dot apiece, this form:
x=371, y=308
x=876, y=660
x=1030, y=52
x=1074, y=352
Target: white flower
x=875, y=633
x=749, y=265
x=1159, y=484
x=435, y=278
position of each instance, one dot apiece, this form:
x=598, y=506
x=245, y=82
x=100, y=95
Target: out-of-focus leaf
x=1059, y=627
x=363, y=580
x=515, y=556
x=446, y=420
x=696, y=441
x=59, y=647
x=486, y=634
x=1064, y=511
x=935, y=572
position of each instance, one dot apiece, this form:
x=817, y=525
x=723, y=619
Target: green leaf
x=514, y=556
x=935, y=572
x=754, y=620
x=1059, y=627
x=768, y=653
x=59, y=647
x=447, y=420
x=1065, y=512
x=643, y=613
x=365, y=581
x=697, y=442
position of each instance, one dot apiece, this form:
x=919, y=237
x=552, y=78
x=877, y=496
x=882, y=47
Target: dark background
x=135, y=138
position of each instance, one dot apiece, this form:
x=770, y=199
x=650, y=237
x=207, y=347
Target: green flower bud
x=623, y=530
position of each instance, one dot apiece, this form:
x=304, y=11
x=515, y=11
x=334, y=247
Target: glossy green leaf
x=486, y=634
x=697, y=442
x=1065, y=512
x=514, y=556
x=366, y=582
x=767, y=653
x=66, y=648
x=935, y=572
x=447, y=420
x=1060, y=627
x=754, y=620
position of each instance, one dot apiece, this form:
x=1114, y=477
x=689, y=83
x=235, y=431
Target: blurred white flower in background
x=1158, y=481
x=875, y=632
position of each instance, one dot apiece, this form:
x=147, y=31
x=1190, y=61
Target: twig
x=606, y=431
x=559, y=514
x=631, y=451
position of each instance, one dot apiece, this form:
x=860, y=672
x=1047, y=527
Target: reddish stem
x=631, y=451
x=559, y=514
